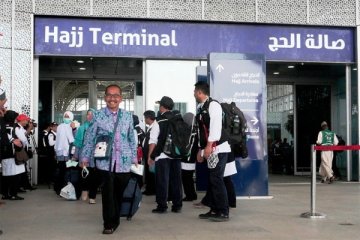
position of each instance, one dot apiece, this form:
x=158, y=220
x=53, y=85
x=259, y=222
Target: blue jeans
x=217, y=195
x=168, y=172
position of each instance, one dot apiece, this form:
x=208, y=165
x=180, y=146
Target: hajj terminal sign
x=183, y=40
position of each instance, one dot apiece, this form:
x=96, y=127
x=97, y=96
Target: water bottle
x=167, y=146
x=236, y=125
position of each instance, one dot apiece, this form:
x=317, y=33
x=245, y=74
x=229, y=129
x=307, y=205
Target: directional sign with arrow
x=241, y=78
x=220, y=68
x=254, y=120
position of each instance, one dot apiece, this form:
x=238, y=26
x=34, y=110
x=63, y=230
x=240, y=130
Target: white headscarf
x=69, y=114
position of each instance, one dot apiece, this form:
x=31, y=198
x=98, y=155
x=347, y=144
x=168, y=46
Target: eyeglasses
x=112, y=95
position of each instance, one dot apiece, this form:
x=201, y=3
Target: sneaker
x=219, y=218
x=331, y=180
x=159, y=210
x=207, y=215
x=92, y=201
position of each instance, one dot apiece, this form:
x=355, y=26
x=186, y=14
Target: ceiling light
x=80, y=61
x=276, y=73
x=291, y=66
x=82, y=68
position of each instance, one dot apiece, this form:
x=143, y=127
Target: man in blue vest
x=327, y=138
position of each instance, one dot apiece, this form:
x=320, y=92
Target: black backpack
x=234, y=124
x=179, y=138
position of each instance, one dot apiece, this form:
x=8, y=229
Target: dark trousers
x=149, y=180
x=113, y=188
x=230, y=189
x=188, y=184
x=60, y=176
x=168, y=172
x=10, y=185
x=91, y=182
x=218, y=198
x=49, y=168
x=24, y=179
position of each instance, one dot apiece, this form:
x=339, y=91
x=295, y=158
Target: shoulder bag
x=103, y=144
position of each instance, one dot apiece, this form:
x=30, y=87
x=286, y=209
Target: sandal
x=108, y=231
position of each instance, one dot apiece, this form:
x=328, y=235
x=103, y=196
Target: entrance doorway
x=300, y=97
x=313, y=106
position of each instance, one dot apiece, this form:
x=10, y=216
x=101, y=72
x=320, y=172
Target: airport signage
x=189, y=40
x=240, y=78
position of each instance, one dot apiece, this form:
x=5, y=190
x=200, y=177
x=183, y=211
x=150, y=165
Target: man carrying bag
x=110, y=137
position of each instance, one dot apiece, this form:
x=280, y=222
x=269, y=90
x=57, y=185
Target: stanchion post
x=313, y=213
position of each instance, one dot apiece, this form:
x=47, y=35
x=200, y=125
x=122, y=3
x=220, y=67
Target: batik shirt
x=124, y=146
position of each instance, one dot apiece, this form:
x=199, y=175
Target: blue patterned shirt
x=124, y=146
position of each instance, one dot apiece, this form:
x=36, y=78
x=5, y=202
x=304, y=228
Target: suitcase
x=131, y=199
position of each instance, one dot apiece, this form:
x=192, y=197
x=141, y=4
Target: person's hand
x=207, y=151
x=31, y=126
x=150, y=161
x=17, y=143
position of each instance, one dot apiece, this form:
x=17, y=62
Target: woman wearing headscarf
x=89, y=182
x=64, y=137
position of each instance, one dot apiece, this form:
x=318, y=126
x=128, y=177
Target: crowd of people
x=16, y=130
x=68, y=154
x=99, y=153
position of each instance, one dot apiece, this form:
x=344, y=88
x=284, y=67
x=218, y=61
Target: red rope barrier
x=337, y=148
